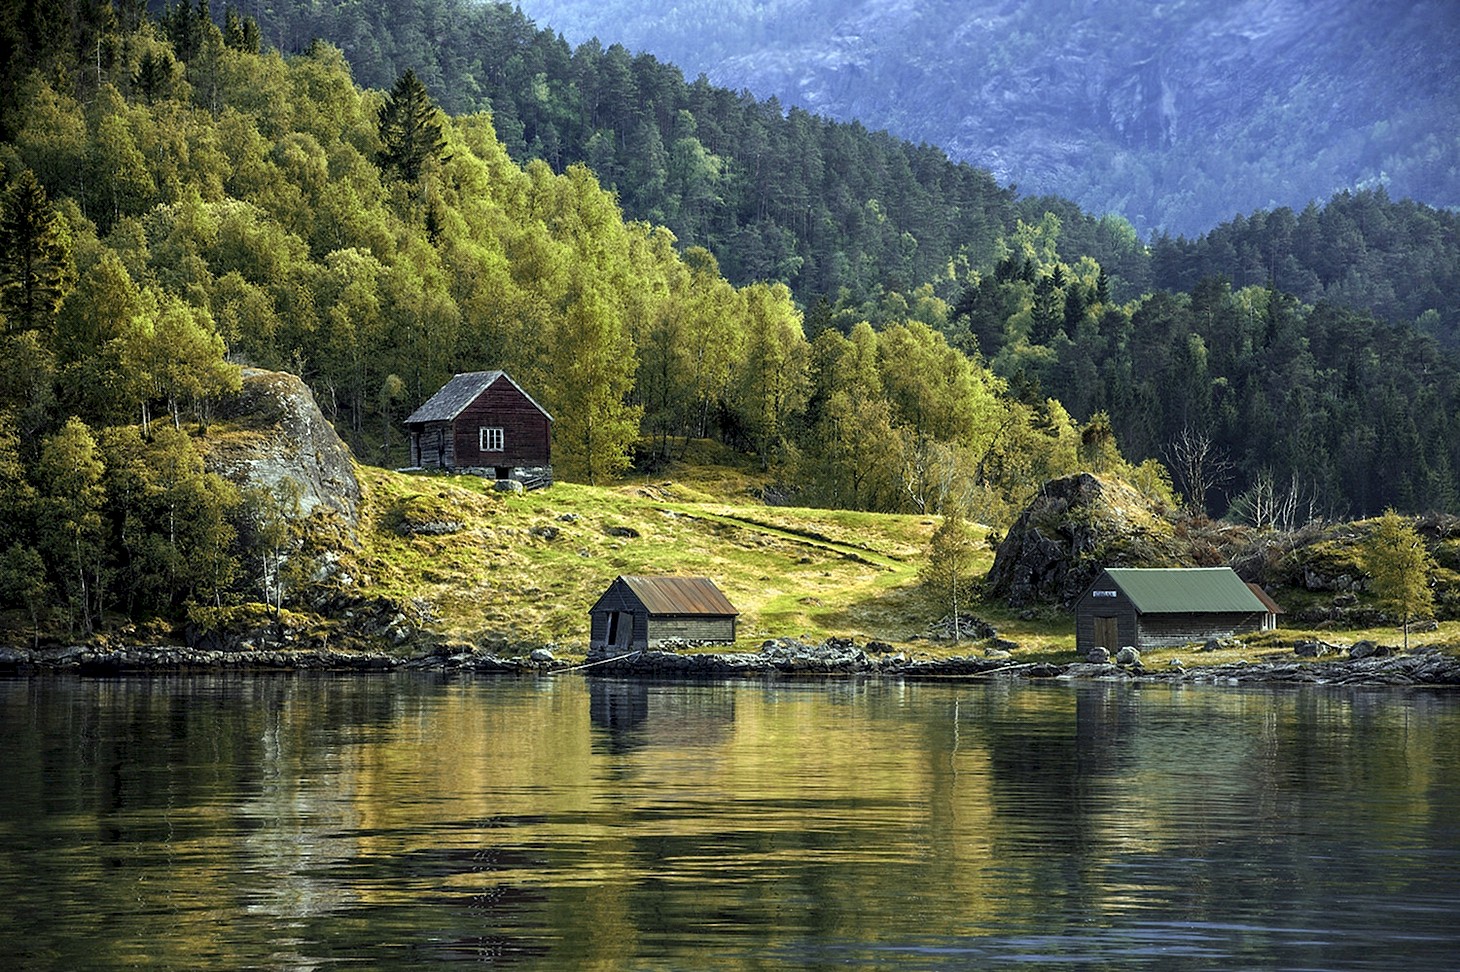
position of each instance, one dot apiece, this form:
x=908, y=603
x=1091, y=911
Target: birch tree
x=72, y=532
x=947, y=572
x=595, y=425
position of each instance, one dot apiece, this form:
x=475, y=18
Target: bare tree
x=929, y=472
x=1198, y=465
x=1270, y=506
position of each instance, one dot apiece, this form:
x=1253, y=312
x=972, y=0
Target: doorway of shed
x=1107, y=633
x=620, y=626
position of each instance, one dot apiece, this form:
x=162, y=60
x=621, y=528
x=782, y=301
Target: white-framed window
x=492, y=440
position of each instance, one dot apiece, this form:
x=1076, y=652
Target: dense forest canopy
x=1177, y=115
x=777, y=194
x=181, y=198
x=186, y=200
x=836, y=212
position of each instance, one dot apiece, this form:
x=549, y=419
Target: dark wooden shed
x=646, y=612
x=1163, y=607
x=482, y=422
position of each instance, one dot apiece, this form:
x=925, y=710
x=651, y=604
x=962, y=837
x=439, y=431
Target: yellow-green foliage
x=256, y=200
x=1399, y=566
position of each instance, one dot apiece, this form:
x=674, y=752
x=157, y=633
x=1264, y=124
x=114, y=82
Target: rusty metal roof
x=679, y=595
x=460, y=392
x=1265, y=598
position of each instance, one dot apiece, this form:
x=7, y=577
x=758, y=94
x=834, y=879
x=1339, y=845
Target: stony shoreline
x=786, y=658
x=1420, y=667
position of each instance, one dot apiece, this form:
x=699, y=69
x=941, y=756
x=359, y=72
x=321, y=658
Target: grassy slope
x=526, y=568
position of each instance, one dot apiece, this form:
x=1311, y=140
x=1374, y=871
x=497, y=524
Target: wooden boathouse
x=646, y=612
x=1163, y=607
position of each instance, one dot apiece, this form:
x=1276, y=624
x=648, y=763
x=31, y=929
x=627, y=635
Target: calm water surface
x=392, y=822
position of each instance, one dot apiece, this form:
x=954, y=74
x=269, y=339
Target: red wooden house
x=483, y=422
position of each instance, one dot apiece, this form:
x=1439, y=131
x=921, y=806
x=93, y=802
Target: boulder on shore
x=276, y=433
x=1073, y=528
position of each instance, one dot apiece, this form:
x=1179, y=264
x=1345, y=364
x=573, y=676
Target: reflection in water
x=409, y=822
x=619, y=708
x=632, y=714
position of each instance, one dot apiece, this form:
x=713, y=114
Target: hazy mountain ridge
x=1178, y=116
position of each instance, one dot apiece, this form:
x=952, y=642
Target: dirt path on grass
x=850, y=551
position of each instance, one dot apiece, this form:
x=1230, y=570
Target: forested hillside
x=180, y=201
x=830, y=209
x=836, y=212
x=181, y=198
x=1398, y=260
x=1262, y=407
x=1177, y=115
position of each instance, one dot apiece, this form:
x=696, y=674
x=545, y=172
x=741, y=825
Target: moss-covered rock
x=421, y=514
x=1326, y=562
x=1073, y=528
x=272, y=431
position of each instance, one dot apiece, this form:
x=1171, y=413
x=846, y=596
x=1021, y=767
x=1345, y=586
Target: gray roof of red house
x=460, y=392
x=679, y=595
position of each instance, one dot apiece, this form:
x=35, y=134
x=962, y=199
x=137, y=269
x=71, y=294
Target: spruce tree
x=410, y=129
x=36, y=269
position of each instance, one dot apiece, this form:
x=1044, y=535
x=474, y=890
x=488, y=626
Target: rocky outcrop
x=275, y=433
x=1072, y=529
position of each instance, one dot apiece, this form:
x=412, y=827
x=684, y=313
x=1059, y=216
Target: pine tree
x=181, y=25
x=240, y=33
x=410, y=129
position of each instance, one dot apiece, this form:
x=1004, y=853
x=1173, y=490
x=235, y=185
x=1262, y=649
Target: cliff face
x=276, y=433
x=1177, y=115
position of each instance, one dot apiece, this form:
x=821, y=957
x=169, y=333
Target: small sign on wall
x=1102, y=593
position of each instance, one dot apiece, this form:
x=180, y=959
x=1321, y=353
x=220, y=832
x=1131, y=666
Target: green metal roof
x=1186, y=590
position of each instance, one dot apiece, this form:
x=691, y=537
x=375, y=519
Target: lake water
x=395, y=822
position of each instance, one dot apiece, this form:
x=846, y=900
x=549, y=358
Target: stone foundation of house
x=531, y=477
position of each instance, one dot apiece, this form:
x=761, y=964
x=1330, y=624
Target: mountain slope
x=1177, y=115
